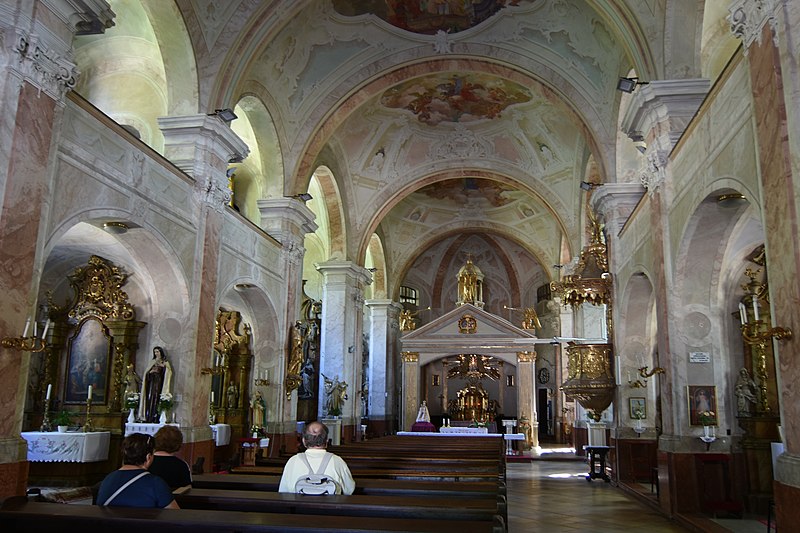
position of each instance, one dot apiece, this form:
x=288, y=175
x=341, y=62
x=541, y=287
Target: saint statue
x=336, y=394
x=132, y=381
x=233, y=395
x=296, y=353
x=258, y=414
x=423, y=415
x=745, y=392
x=156, y=381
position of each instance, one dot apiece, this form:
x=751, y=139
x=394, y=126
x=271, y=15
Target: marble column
x=410, y=390
x=202, y=146
x=769, y=33
x=287, y=220
x=526, y=397
x=37, y=72
x=383, y=322
x=341, y=340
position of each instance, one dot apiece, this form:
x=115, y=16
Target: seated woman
x=166, y=464
x=132, y=485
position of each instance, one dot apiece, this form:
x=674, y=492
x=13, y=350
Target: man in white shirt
x=315, y=439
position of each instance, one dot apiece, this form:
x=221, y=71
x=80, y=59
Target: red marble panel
x=787, y=512
x=13, y=479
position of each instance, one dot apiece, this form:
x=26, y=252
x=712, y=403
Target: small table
x=146, y=428
x=249, y=447
x=221, y=433
x=597, y=462
x=74, y=447
x=511, y=437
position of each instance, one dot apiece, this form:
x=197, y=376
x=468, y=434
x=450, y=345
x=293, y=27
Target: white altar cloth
x=462, y=430
x=74, y=447
x=147, y=429
x=222, y=434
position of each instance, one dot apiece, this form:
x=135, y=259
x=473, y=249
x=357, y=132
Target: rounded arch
x=376, y=259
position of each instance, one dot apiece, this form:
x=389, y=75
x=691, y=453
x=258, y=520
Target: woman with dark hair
x=132, y=485
x=166, y=464
x=155, y=381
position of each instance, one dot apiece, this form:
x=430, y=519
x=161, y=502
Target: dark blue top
x=147, y=491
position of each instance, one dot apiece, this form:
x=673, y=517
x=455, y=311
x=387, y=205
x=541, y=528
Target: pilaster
x=526, y=399
x=383, y=326
x=410, y=400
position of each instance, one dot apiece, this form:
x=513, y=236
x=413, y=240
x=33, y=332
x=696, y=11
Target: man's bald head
x=315, y=435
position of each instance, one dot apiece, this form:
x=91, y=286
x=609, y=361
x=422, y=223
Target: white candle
x=755, y=307
x=266, y=374
x=46, y=327
x=89, y=395
x=34, y=329
x=212, y=396
x=742, y=313
x=49, y=388
x=27, y=325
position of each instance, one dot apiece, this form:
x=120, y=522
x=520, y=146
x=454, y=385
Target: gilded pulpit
x=230, y=377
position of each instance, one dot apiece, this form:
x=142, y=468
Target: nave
x=552, y=495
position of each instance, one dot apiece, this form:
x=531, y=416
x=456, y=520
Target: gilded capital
x=526, y=357
x=410, y=357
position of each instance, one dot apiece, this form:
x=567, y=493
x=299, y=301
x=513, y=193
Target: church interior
x=573, y=220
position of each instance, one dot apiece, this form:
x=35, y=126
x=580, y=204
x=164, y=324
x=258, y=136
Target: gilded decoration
x=98, y=291
x=526, y=357
x=410, y=357
x=467, y=324
x=590, y=376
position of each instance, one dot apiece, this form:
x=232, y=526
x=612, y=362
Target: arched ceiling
x=475, y=120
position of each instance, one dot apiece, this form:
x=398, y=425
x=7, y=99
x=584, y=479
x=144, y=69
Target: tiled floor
x=551, y=494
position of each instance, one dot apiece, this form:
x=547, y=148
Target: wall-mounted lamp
x=115, y=228
x=303, y=197
x=731, y=199
x=25, y=343
x=373, y=269
x=628, y=85
x=644, y=374
x=587, y=185
x=226, y=114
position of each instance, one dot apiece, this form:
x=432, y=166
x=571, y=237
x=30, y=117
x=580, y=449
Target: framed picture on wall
x=637, y=408
x=435, y=381
x=89, y=355
x=702, y=405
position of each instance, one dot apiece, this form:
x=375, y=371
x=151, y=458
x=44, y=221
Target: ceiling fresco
x=451, y=97
x=428, y=16
x=462, y=190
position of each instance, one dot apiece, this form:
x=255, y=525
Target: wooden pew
x=363, y=485
x=419, y=473
x=430, y=508
x=19, y=514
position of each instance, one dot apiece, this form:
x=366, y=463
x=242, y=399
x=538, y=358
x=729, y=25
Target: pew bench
x=487, y=509
x=452, y=474
x=17, y=514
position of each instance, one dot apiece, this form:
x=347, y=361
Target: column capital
x=286, y=219
x=410, y=357
x=526, y=357
x=748, y=18
x=337, y=270
x=615, y=202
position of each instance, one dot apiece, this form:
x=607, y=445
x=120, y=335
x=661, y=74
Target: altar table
x=74, y=447
x=462, y=430
x=147, y=429
x=221, y=434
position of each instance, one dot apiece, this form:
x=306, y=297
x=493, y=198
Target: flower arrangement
x=638, y=414
x=707, y=418
x=165, y=401
x=62, y=418
x=132, y=400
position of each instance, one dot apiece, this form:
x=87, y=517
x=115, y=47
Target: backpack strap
x=324, y=464
x=125, y=486
x=305, y=460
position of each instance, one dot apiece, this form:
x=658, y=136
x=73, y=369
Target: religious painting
x=89, y=355
x=455, y=98
x=702, y=405
x=637, y=408
x=428, y=17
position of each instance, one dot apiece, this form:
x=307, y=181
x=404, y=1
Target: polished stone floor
x=551, y=494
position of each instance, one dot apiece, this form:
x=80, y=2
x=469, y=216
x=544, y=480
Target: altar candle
x=27, y=325
x=212, y=396
x=49, y=388
x=742, y=313
x=34, y=329
x=46, y=327
x=89, y=395
x=755, y=307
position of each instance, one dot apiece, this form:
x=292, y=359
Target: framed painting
x=637, y=408
x=702, y=405
x=435, y=380
x=88, y=358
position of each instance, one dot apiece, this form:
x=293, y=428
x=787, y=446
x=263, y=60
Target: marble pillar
x=526, y=399
x=383, y=322
x=340, y=340
x=201, y=146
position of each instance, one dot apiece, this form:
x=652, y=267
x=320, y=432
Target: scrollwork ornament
x=44, y=68
x=748, y=18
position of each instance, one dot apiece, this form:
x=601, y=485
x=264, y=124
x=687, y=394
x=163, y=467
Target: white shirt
x=337, y=469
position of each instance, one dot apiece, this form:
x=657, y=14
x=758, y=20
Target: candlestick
x=755, y=307
x=49, y=388
x=742, y=313
x=89, y=395
x=46, y=327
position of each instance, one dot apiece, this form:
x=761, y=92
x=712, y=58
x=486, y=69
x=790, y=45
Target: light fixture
x=587, y=185
x=241, y=287
x=115, y=228
x=373, y=269
x=731, y=199
x=628, y=85
x=303, y=197
x=226, y=114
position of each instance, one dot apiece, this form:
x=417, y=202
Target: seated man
x=315, y=439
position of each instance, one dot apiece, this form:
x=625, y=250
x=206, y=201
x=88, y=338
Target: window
x=408, y=296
